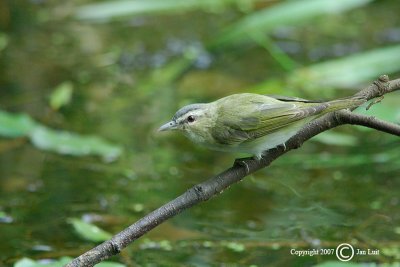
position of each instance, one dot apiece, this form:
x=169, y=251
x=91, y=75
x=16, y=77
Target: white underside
x=257, y=146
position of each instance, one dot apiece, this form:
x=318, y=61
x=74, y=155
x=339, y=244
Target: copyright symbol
x=344, y=252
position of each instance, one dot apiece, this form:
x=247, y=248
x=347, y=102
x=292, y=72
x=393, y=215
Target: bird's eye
x=191, y=118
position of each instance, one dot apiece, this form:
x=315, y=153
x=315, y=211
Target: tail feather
x=344, y=103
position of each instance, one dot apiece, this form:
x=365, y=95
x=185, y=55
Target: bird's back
x=253, y=123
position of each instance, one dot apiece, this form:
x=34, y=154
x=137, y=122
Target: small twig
x=218, y=183
x=369, y=121
x=375, y=101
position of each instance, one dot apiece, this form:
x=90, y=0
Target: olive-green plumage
x=250, y=123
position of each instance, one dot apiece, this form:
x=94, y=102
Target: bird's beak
x=172, y=125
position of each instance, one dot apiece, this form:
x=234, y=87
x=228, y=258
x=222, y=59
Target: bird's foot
x=242, y=162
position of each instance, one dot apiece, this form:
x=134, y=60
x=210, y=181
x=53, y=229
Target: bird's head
x=194, y=120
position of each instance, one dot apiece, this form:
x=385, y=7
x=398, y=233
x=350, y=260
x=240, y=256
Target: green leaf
x=348, y=71
x=287, y=12
x=4, y=40
x=63, y=142
x=2, y=215
x=73, y=144
x=15, y=125
x=61, y=95
x=114, y=9
x=25, y=262
x=5, y=218
x=89, y=231
x=235, y=246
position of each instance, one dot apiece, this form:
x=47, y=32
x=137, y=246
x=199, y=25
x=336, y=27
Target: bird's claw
x=284, y=146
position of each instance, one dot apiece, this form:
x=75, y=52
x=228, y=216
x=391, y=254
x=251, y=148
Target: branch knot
x=115, y=247
x=382, y=85
x=199, y=191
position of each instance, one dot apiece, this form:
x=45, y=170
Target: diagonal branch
x=218, y=183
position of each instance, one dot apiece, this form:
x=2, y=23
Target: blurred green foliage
x=107, y=10
x=349, y=71
x=284, y=13
x=15, y=125
x=89, y=231
x=21, y=125
x=116, y=70
x=61, y=96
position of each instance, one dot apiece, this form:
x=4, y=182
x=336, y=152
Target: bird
x=250, y=123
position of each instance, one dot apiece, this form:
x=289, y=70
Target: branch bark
x=215, y=185
x=370, y=122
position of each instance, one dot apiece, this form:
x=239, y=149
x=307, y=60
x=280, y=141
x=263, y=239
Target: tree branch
x=370, y=122
x=238, y=171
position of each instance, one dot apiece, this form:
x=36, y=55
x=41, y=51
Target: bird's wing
x=246, y=121
x=294, y=99
x=271, y=120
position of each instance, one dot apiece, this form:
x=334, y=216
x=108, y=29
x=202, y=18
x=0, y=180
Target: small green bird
x=250, y=123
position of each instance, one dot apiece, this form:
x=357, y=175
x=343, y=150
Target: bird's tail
x=344, y=103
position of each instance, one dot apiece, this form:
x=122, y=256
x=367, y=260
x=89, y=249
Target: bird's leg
x=242, y=163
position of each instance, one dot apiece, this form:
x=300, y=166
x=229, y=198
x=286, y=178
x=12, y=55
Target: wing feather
x=258, y=118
